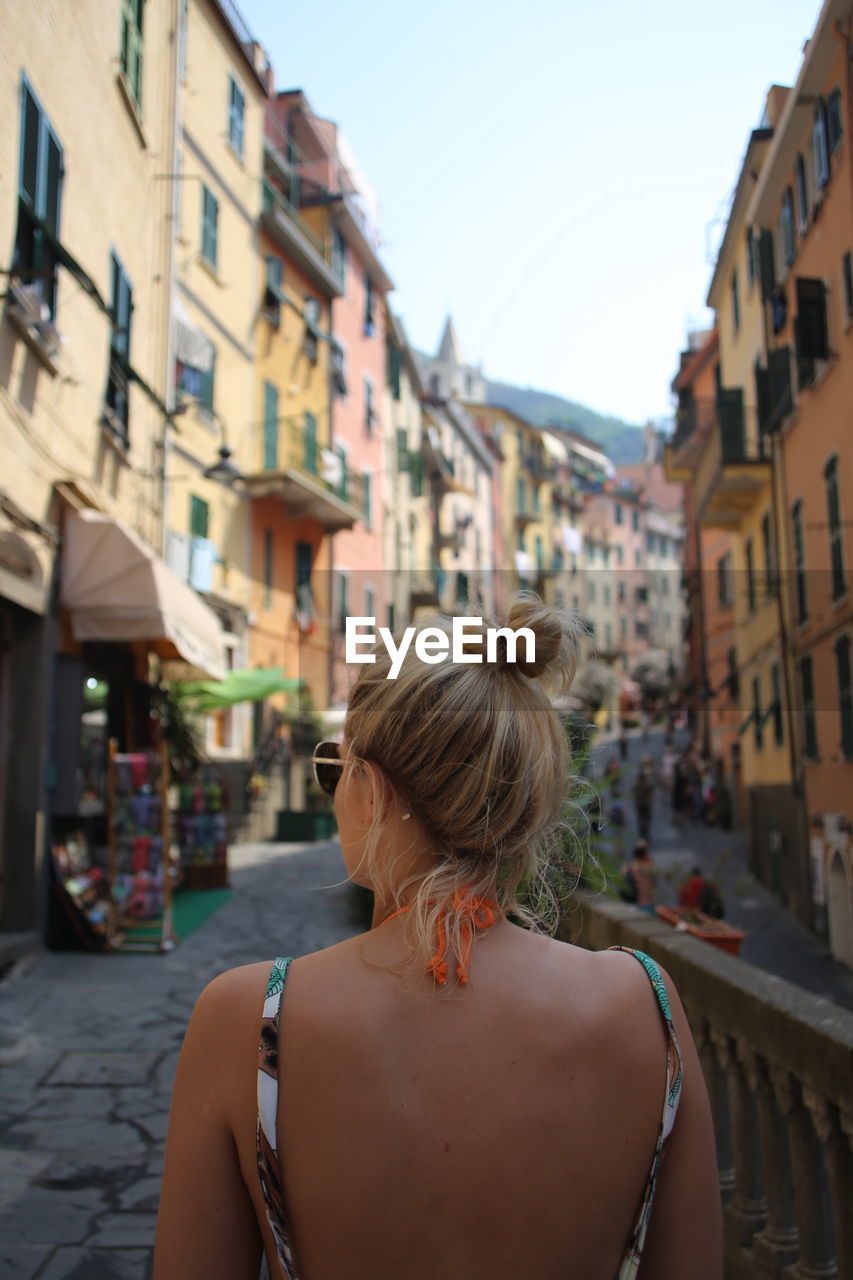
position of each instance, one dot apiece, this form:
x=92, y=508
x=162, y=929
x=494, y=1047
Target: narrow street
x=89, y=1043
x=775, y=940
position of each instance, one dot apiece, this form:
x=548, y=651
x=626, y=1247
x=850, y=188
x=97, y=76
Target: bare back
x=505, y=1131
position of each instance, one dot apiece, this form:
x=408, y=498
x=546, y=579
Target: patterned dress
x=268, y=1164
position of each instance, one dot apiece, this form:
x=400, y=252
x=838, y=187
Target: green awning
x=251, y=685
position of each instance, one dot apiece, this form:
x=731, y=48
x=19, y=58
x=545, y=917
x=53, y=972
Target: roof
x=448, y=350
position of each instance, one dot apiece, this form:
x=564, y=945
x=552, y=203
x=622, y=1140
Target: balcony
x=310, y=478
x=725, y=458
x=693, y=422
x=539, y=465
x=282, y=221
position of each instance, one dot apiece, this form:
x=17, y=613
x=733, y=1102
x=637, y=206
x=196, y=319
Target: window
x=416, y=473
x=369, y=602
x=635, y=520
x=367, y=498
x=209, y=225
x=620, y=555
x=802, y=196
x=810, y=743
x=339, y=257
x=270, y=427
x=733, y=678
x=769, y=561
x=834, y=128
x=617, y=512
x=121, y=307
x=393, y=366
x=833, y=506
x=273, y=295
x=269, y=542
x=311, y=316
x=236, y=113
x=750, y=575
x=536, y=499
x=786, y=227
x=590, y=591
x=199, y=517
x=369, y=307
x=638, y=559
x=337, y=365
x=724, y=579
x=650, y=543
x=735, y=302
x=820, y=149
x=845, y=693
x=520, y=494
x=369, y=411
x=810, y=328
x=304, y=598
x=606, y=596
x=623, y=626
x=847, y=277
x=621, y=592
x=776, y=705
x=641, y=630
x=343, y=601
x=130, y=51
x=40, y=176
x=799, y=561
x=198, y=383
x=757, y=719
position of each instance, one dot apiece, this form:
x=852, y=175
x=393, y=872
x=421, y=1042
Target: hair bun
x=558, y=639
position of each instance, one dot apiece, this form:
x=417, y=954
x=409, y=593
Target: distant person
x=640, y=878
x=644, y=796
x=623, y=743
x=667, y=766
x=701, y=894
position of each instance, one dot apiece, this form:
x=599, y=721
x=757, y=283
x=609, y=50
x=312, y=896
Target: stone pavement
x=88, y=1049
x=89, y=1043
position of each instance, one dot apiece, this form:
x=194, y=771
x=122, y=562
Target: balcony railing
x=275, y=201
x=777, y=1065
x=312, y=478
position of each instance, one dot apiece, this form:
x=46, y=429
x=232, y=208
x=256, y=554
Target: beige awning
x=119, y=590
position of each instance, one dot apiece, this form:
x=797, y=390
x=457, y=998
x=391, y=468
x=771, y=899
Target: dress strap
x=672, y=1094
x=268, y=1162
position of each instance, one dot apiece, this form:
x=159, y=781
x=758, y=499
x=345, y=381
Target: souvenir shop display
x=138, y=848
x=83, y=890
x=202, y=831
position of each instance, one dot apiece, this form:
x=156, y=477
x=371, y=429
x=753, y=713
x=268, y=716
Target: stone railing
x=778, y=1064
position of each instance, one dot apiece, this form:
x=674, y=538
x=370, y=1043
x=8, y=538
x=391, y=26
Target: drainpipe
x=171, y=273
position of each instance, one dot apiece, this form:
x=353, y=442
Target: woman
x=449, y=1094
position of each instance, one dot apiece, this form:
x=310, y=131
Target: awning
x=118, y=590
x=251, y=685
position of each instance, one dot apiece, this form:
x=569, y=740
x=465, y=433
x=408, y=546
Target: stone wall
x=778, y=1063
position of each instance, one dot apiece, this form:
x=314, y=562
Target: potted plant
x=717, y=932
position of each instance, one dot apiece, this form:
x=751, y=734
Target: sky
x=554, y=173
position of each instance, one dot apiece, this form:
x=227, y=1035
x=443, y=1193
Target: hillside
x=620, y=440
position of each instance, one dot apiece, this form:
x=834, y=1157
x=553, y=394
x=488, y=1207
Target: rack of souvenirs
x=138, y=849
x=83, y=890
x=201, y=828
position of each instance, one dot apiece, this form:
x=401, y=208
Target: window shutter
x=310, y=443
x=30, y=132
x=50, y=206
x=809, y=723
x=730, y=408
x=779, y=380
x=762, y=396
x=845, y=695
x=270, y=426
x=199, y=517
x=768, y=265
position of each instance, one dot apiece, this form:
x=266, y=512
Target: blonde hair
x=478, y=754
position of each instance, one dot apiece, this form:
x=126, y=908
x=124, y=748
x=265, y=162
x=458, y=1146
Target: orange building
x=803, y=206
x=709, y=578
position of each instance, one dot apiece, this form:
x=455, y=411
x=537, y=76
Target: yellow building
x=301, y=489
x=217, y=289
x=531, y=556
x=87, y=607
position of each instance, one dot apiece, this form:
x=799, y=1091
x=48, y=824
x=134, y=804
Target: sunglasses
x=327, y=764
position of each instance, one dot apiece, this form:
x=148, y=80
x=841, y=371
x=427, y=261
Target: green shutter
x=767, y=265
x=130, y=52
x=403, y=456
x=845, y=694
x=199, y=516
x=209, y=226
x=732, y=432
x=809, y=723
x=270, y=426
x=30, y=134
x=311, y=459
x=416, y=471
x=304, y=556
